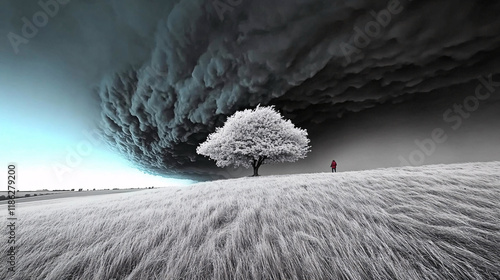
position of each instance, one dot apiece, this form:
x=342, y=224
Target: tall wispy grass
x=436, y=222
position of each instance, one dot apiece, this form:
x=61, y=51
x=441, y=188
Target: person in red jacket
x=334, y=166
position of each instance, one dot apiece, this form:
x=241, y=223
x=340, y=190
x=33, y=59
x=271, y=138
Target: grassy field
x=434, y=222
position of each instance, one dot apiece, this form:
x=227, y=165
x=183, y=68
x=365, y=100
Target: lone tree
x=254, y=137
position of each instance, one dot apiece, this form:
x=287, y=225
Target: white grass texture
x=434, y=222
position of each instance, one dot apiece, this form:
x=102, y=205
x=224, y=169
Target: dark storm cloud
x=289, y=54
x=183, y=70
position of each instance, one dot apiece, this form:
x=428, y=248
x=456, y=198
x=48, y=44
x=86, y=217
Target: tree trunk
x=255, y=171
x=256, y=164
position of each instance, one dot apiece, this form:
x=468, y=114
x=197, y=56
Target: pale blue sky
x=42, y=127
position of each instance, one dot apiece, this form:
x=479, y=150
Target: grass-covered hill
x=434, y=222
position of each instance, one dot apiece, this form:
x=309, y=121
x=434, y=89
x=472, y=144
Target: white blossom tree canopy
x=255, y=137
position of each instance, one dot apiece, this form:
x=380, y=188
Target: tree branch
x=261, y=160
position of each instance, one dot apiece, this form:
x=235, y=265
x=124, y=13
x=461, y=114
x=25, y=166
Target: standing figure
x=334, y=166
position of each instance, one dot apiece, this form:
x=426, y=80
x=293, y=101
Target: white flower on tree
x=255, y=137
